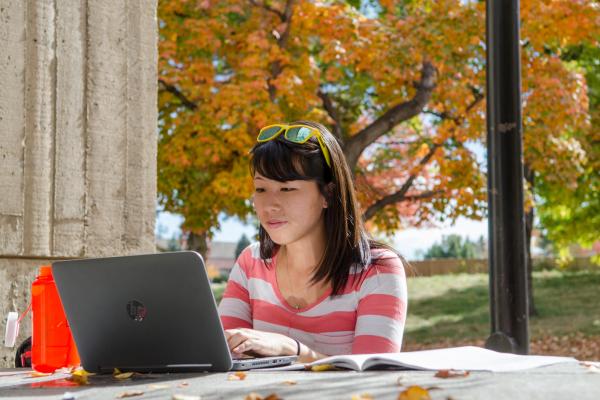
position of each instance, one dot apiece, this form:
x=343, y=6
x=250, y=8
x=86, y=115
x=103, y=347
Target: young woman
x=316, y=284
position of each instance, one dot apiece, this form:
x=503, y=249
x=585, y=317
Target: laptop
x=147, y=313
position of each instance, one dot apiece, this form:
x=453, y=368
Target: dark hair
x=348, y=245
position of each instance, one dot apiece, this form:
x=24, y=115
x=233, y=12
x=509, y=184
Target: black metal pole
x=507, y=257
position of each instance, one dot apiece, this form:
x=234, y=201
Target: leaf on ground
x=414, y=393
x=130, y=393
x=322, y=367
x=256, y=396
x=185, y=397
x=451, y=373
x=123, y=375
x=79, y=376
x=236, y=376
x=591, y=366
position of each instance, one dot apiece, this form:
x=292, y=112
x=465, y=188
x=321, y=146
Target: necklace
x=287, y=272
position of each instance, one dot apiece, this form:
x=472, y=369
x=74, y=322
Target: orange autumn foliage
x=227, y=68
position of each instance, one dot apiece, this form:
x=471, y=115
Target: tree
x=173, y=244
x=452, y=246
x=566, y=195
x=400, y=84
x=241, y=245
x=570, y=213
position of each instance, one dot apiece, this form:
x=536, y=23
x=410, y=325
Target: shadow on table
x=23, y=385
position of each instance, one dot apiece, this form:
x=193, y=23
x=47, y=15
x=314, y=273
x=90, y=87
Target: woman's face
x=290, y=210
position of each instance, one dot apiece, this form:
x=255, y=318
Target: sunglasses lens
x=269, y=133
x=298, y=134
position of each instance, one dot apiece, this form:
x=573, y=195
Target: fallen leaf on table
x=592, y=367
x=184, y=397
x=256, y=396
x=322, y=367
x=290, y=383
x=183, y=384
x=236, y=376
x=35, y=374
x=363, y=396
x=414, y=393
x=79, y=376
x=451, y=373
x=130, y=393
x=123, y=375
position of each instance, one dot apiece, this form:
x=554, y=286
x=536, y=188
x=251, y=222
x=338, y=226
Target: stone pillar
x=78, y=112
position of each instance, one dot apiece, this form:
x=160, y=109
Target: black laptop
x=147, y=313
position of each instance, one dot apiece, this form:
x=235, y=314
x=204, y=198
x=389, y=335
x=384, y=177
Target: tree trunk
x=530, y=177
x=197, y=242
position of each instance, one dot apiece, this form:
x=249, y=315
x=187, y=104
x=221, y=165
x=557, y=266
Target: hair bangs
x=283, y=161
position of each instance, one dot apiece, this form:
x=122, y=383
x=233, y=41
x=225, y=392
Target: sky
x=408, y=242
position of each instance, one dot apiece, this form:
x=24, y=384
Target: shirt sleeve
x=234, y=308
x=382, y=305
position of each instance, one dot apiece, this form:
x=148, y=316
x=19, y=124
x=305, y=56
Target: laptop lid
x=153, y=312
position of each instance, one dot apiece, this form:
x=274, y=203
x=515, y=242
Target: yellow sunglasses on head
x=295, y=134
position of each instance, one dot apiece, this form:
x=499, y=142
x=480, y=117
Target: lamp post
x=507, y=257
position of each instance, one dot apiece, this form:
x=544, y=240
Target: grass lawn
x=457, y=306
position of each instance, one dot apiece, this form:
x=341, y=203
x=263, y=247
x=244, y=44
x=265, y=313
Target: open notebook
x=468, y=358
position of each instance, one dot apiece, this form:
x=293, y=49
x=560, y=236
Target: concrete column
x=77, y=137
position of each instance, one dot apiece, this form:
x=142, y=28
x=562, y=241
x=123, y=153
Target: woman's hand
x=244, y=340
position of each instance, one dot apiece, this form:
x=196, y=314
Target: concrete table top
x=560, y=381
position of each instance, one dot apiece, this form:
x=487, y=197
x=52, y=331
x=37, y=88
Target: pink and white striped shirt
x=367, y=317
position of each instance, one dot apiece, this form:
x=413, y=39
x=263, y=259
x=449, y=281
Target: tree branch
x=402, y=142
x=391, y=199
x=287, y=20
x=400, y=195
x=275, y=67
x=423, y=195
x=458, y=119
x=400, y=112
x=442, y=115
x=333, y=113
x=268, y=8
x=177, y=93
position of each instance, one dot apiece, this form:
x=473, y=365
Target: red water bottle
x=52, y=344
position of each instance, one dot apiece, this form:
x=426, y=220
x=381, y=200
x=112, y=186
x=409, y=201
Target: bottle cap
x=12, y=329
x=46, y=270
